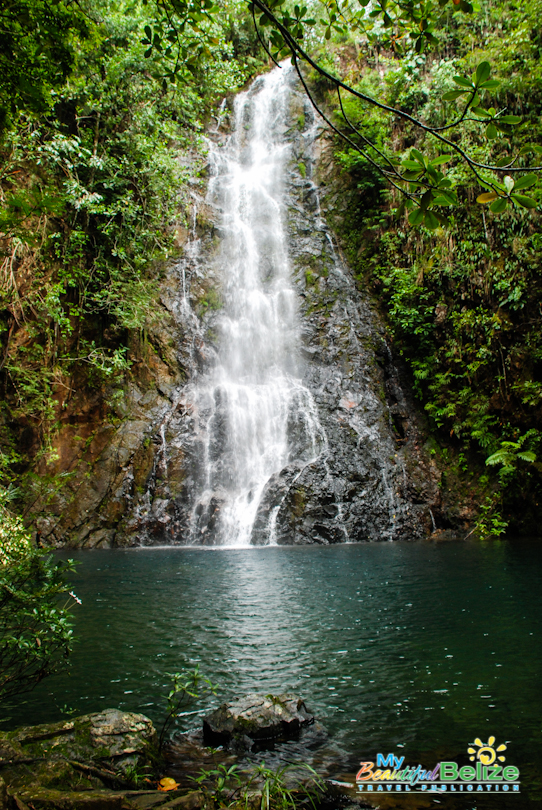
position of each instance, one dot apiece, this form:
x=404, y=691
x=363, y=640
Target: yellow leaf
x=167, y=783
x=487, y=197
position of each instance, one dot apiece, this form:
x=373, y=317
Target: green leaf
x=426, y=199
x=453, y=94
x=525, y=202
x=463, y=82
x=482, y=72
x=500, y=457
x=440, y=159
x=413, y=165
x=481, y=112
x=505, y=161
x=491, y=131
x=510, y=119
x=431, y=221
x=417, y=156
x=415, y=217
x=525, y=181
x=490, y=84
x=445, y=198
x=499, y=205
x=526, y=455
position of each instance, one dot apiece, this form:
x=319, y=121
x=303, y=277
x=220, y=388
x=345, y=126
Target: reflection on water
x=411, y=648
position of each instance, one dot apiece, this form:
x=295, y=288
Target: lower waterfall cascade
x=246, y=405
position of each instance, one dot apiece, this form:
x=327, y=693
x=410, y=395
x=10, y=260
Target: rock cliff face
x=137, y=481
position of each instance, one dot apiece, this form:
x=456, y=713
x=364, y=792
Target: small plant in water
x=276, y=792
x=265, y=788
x=185, y=687
x=226, y=784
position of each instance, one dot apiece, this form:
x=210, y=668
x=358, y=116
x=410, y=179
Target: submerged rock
x=259, y=717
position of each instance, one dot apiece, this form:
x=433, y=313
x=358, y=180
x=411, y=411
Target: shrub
x=36, y=633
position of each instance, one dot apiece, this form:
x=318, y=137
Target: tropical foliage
x=90, y=186
x=463, y=300
x=35, y=626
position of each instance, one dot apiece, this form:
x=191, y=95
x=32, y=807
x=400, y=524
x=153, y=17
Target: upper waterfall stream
x=253, y=395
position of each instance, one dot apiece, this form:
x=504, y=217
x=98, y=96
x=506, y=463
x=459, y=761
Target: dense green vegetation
x=463, y=301
x=35, y=628
x=90, y=187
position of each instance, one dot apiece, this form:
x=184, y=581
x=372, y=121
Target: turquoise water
x=413, y=648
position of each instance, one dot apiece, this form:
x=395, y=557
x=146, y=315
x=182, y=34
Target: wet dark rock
x=256, y=717
x=445, y=536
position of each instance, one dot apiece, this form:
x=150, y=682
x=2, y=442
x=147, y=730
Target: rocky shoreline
x=110, y=760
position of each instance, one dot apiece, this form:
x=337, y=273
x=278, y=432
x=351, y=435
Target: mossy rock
x=46, y=799
x=258, y=717
x=106, y=734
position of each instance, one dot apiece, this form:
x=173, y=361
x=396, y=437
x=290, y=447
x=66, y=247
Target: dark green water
x=413, y=648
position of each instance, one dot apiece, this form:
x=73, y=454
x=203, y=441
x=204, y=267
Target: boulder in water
x=259, y=717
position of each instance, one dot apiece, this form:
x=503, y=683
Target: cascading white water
x=251, y=404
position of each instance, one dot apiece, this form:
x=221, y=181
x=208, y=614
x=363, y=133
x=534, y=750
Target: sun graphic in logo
x=486, y=753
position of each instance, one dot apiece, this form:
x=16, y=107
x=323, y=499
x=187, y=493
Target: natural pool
x=413, y=648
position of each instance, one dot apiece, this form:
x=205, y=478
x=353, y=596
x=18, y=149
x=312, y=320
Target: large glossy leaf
x=525, y=202
x=440, y=159
x=482, y=72
x=490, y=84
x=510, y=119
x=499, y=205
x=414, y=153
x=481, y=112
x=431, y=221
x=525, y=182
x=463, y=82
x=413, y=165
x=453, y=94
x=415, y=217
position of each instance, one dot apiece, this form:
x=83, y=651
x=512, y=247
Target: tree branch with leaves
x=418, y=177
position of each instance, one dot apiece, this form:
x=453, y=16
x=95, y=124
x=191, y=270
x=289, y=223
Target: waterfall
x=253, y=414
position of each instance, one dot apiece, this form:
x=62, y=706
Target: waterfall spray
x=252, y=400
